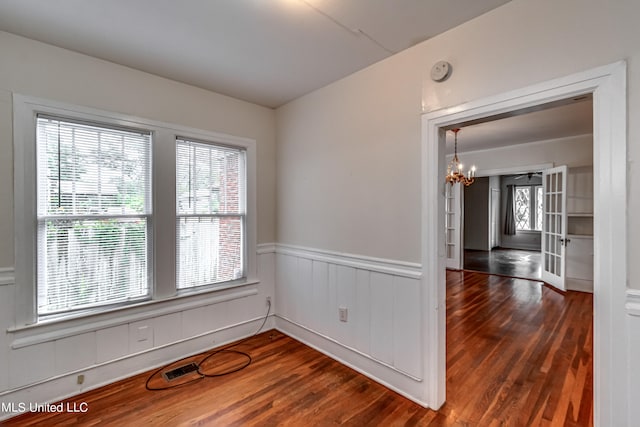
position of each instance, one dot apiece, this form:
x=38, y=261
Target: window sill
x=54, y=329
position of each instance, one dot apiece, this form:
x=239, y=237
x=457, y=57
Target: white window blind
x=93, y=213
x=211, y=213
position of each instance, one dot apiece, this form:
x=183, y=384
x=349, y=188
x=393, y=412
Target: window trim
x=42, y=218
x=162, y=277
x=242, y=216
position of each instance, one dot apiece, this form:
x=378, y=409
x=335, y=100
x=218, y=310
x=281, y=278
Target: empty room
x=243, y=212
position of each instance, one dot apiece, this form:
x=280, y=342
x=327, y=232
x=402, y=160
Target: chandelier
x=455, y=171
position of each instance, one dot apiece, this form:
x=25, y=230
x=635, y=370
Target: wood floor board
x=518, y=354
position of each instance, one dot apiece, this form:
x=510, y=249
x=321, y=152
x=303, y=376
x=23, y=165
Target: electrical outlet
x=269, y=300
x=80, y=379
x=343, y=312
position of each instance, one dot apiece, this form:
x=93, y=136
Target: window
x=93, y=214
x=210, y=213
x=114, y=212
x=528, y=207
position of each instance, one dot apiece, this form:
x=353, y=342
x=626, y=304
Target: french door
x=554, y=226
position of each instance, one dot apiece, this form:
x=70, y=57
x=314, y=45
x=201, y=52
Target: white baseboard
x=388, y=376
x=579, y=285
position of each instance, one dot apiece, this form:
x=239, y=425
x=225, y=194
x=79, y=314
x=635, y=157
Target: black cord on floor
x=203, y=375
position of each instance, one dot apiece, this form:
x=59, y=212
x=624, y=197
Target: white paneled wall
x=633, y=336
x=41, y=364
x=381, y=336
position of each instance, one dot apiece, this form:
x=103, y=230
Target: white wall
x=41, y=364
x=349, y=154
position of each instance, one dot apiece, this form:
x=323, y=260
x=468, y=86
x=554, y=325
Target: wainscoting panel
x=79, y=350
x=406, y=319
x=381, y=335
x=633, y=337
x=40, y=364
x=7, y=293
x=320, y=289
x=112, y=343
x=362, y=326
x=382, y=308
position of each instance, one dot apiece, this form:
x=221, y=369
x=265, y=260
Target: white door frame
x=608, y=86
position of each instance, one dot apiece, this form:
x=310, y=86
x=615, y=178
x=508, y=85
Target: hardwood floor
x=504, y=262
x=518, y=354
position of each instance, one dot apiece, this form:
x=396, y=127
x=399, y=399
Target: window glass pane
x=539, y=208
x=209, y=179
x=210, y=206
x=210, y=250
x=522, y=204
x=86, y=169
x=93, y=198
x=86, y=263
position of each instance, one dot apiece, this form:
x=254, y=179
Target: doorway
x=608, y=86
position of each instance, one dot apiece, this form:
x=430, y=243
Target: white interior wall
x=348, y=154
x=41, y=364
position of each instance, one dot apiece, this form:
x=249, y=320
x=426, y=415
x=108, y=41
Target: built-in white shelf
x=579, y=252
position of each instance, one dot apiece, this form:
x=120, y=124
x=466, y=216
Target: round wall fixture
x=440, y=71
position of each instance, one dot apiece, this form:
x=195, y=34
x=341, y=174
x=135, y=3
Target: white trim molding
x=7, y=276
x=401, y=382
x=162, y=249
x=266, y=248
x=46, y=332
x=344, y=347
x=608, y=85
x=380, y=265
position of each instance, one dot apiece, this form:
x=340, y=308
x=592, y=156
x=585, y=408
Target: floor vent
x=180, y=371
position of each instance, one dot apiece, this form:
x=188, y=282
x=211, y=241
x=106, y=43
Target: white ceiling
x=271, y=51
x=569, y=118
x=264, y=51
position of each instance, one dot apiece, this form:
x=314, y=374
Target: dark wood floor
x=504, y=262
x=518, y=354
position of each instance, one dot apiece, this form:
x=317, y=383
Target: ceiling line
x=355, y=31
